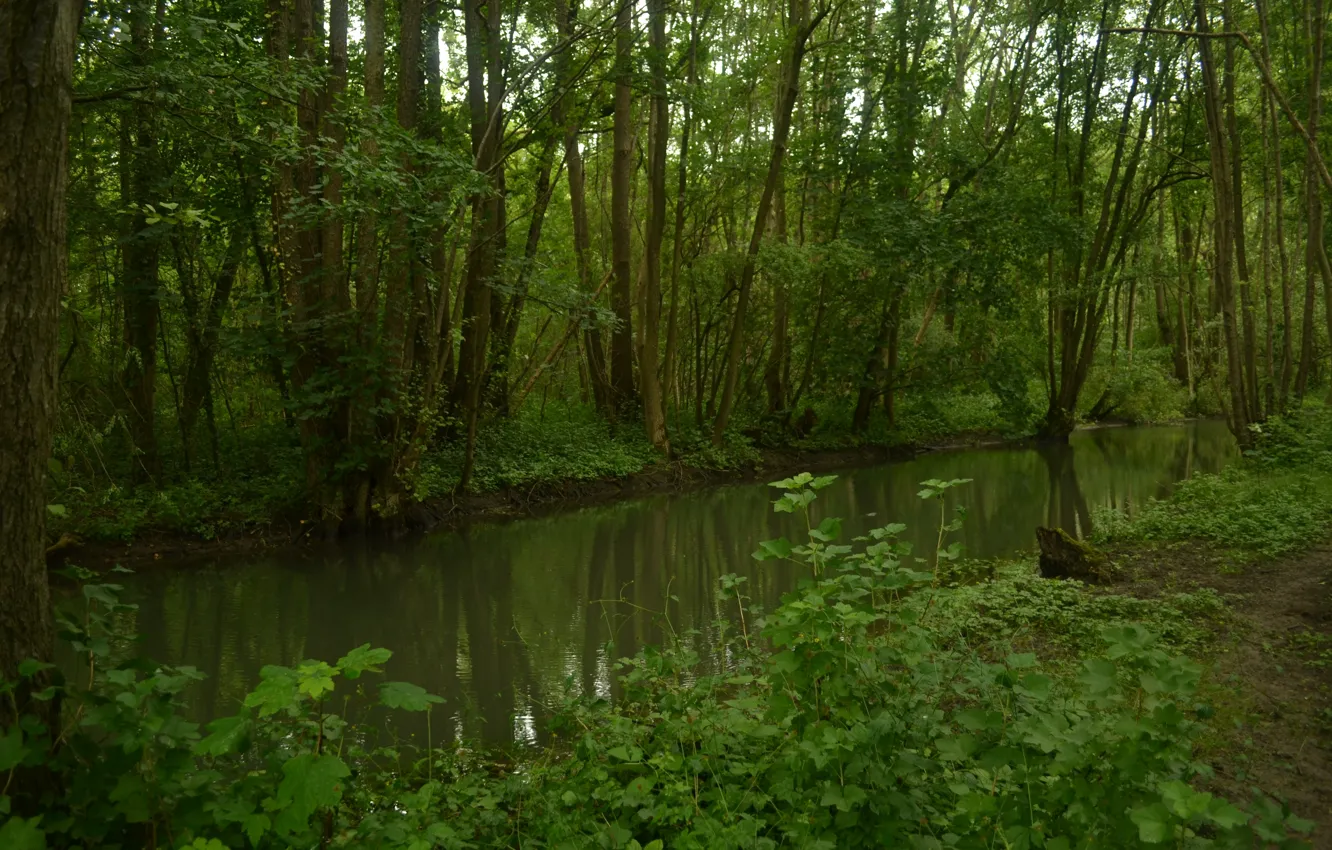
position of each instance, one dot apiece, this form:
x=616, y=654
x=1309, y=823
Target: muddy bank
x=1270, y=681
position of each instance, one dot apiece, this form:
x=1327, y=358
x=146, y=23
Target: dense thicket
x=357, y=235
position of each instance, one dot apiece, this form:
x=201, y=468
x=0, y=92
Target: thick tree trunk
x=36, y=66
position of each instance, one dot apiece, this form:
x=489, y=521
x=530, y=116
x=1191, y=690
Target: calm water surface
x=501, y=618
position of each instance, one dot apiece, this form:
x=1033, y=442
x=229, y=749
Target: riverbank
x=880, y=705
x=95, y=539
x=1269, y=667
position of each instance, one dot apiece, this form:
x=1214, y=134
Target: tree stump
x=1063, y=556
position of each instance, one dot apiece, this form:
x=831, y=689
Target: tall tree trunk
x=482, y=27
x=1314, y=256
x=1283, y=267
x=36, y=67
x=654, y=408
x=198, y=382
x=800, y=28
x=505, y=336
x=139, y=282
x=668, y=372
x=1225, y=246
x=1235, y=151
x=622, y=337
x=367, y=248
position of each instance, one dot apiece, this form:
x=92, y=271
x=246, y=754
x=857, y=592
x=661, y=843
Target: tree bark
x=1314, y=256
x=37, y=40
x=622, y=337
x=654, y=410
x=1225, y=246
x=139, y=255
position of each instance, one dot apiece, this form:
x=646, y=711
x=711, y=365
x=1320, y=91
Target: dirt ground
x=1271, y=680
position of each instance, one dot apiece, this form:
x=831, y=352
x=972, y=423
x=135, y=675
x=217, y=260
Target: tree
x=36, y=70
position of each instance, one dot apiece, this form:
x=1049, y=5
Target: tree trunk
x=139, y=254
x=800, y=28
x=1314, y=257
x=37, y=40
x=199, y=371
x=622, y=337
x=1235, y=151
x=482, y=27
x=1223, y=223
x=654, y=408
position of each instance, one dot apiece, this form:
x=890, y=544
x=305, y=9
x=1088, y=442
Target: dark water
x=502, y=618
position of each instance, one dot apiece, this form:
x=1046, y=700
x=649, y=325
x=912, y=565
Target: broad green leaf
x=30, y=667
x=12, y=750
x=769, y=550
x=406, y=696
x=1154, y=823
x=275, y=692
x=255, y=826
x=20, y=834
x=363, y=659
x=226, y=736
x=315, y=678
x=828, y=530
x=309, y=782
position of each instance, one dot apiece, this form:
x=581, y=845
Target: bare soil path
x=1272, y=679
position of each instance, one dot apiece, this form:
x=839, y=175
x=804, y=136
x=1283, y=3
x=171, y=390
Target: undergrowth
x=876, y=706
x=1278, y=500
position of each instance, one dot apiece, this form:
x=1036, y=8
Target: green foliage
x=872, y=708
x=532, y=449
x=1277, y=501
x=1137, y=389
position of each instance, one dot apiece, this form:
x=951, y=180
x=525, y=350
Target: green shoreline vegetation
x=894, y=699
x=324, y=264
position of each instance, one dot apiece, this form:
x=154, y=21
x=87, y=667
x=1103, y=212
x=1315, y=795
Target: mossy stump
x=1064, y=556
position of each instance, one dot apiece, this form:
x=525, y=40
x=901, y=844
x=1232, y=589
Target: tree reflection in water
x=502, y=619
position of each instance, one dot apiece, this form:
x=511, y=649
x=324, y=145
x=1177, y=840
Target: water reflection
x=500, y=619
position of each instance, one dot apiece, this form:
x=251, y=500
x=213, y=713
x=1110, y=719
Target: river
x=501, y=618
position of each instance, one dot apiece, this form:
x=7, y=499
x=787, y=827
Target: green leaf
x=255, y=826
x=30, y=667
x=1099, y=675
x=363, y=659
x=828, y=530
x=275, y=692
x=315, y=678
x=770, y=550
x=20, y=834
x=12, y=750
x=1154, y=823
x=226, y=736
x=406, y=696
x=57, y=510
x=309, y=782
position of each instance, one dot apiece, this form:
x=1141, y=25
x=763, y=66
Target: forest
x=281, y=272
x=331, y=260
